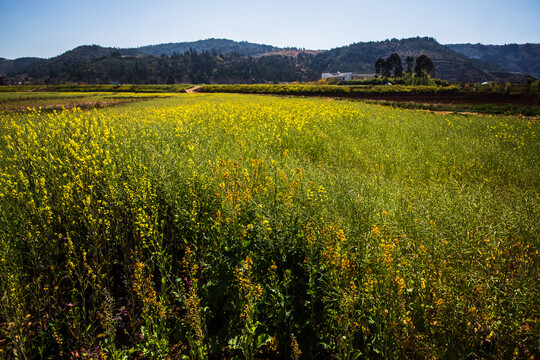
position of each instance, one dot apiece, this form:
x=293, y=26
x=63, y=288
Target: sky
x=47, y=28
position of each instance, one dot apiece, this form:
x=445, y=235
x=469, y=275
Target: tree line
x=190, y=67
x=393, y=66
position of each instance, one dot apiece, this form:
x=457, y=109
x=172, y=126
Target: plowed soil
x=458, y=98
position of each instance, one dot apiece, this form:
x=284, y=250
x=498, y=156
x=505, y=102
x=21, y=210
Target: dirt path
x=193, y=89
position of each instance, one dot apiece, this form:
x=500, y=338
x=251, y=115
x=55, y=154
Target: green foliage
x=381, y=68
x=424, y=66
x=409, y=60
x=334, y=90
x=394, y=64
x=406, y=79
x=391, y=66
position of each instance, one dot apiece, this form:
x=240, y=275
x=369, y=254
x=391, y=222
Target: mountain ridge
x=520, y=58
x=455, y=62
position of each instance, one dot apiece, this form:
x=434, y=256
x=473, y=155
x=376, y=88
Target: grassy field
x=244, y=226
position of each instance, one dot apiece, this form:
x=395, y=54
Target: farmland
x=489, y=99
x=248, y=226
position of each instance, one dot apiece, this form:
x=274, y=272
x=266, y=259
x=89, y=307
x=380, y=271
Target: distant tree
x=170, y=80
x=394, y=66
x=424, y=66
x=409, y=60
x=381, y=67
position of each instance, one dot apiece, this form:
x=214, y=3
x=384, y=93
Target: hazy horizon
x=48, y=29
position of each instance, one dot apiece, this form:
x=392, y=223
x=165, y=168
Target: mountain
x=220, y=46
x=523, y=59
x=37, y=67
x=227, y=61
x=14, y=66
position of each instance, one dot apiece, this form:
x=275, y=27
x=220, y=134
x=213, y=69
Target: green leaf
x=235, y=342
x=262, y=339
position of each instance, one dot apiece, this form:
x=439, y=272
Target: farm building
x=346, y=76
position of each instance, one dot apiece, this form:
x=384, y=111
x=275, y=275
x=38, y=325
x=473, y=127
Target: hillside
x=220, y=46
x=227, y=61
x=97, y=65
x=450, y=65
x=524, y=58
x=14, y=66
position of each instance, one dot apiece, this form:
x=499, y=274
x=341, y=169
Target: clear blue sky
x=46, y=28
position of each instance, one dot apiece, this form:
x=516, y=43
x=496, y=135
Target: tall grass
x=247, y=226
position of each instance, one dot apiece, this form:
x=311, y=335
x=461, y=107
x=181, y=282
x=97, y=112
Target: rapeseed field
x=243, y=226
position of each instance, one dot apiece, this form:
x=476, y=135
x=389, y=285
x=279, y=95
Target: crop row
x=338, y=90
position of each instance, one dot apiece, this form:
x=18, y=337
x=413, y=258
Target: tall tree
x=424, y=66
x=382, y=68
x=394, y=65
x=380, y=64
x=409, y=60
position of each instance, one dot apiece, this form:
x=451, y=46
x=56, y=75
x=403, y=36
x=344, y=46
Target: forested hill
x=449, y=65
x=524, y=58
x=94, y=64
x=227, y=61
x=220, y=46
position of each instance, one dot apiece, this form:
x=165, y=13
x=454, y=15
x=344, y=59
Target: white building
x=345, y=76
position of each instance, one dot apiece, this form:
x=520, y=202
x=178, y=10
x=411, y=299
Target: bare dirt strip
x=457, y=98
x=193, y=89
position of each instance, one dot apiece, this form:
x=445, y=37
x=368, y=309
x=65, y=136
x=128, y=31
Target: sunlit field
x=244, y=226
